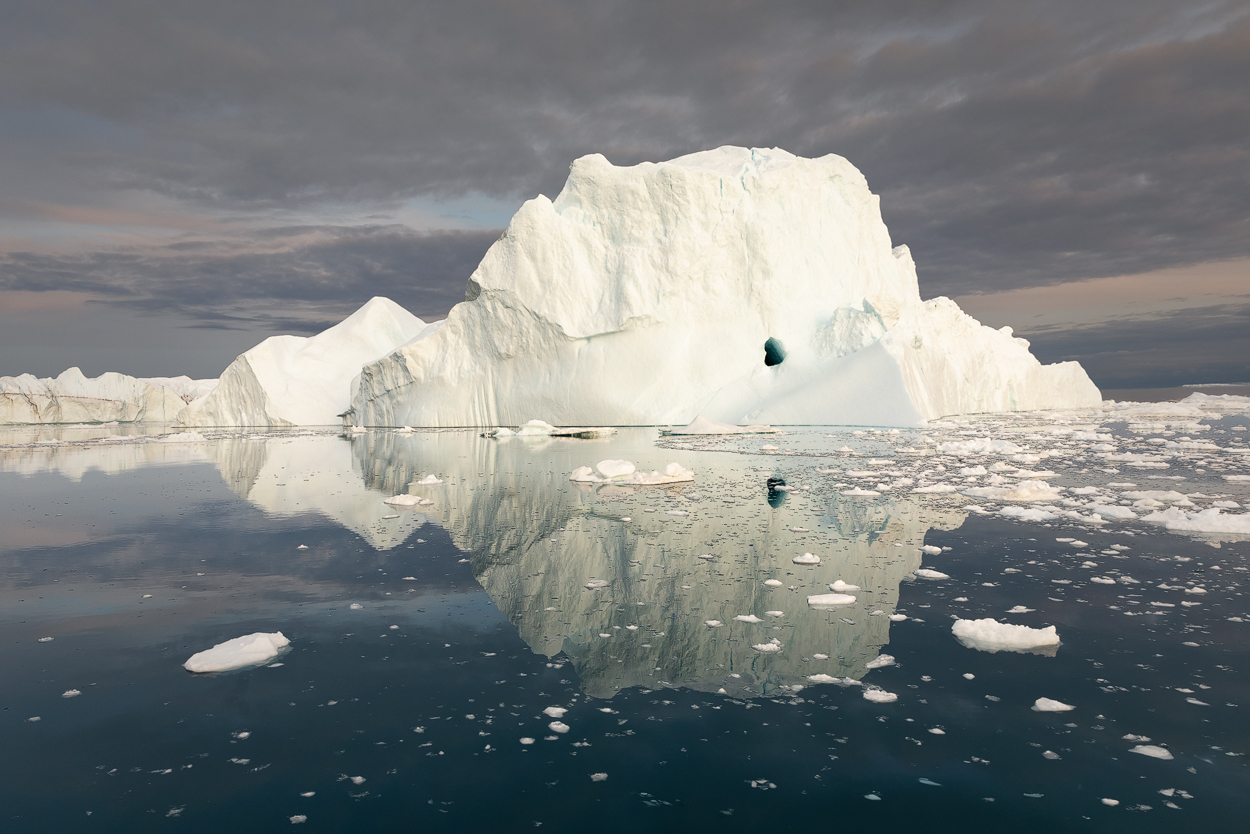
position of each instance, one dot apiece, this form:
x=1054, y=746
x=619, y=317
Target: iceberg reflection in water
x=554, y=644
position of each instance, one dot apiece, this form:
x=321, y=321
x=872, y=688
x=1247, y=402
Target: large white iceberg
x=73, y=397
x=305, y=381
x=743, y=285
x=239, y=653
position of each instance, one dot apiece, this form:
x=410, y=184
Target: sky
x=183, y=179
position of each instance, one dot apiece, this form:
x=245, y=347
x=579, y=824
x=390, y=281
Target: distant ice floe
x=1049, y=705
x=249, y=650
x=625, y=473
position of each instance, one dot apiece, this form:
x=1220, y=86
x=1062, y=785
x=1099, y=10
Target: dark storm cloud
x=1205, y=344
x=1014, y=144
x=328, y=273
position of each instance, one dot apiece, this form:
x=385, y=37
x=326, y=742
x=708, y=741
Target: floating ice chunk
x=356, y=606
x=1020, y=609
x=879, y=696
x=1110, y=802
x=713, y=623
x=1048, y=705
x=818, y=600
x=249, y=650
x=774, y=613
x=841, y=587
x=50, y=639
x=555, y=712
x=821, y=656
x=937, y=731
x=558, y=727
x=296, y=819
x=677, y=512
x=771, y=647
x=707, y=556
x=428, y=480
x=865, y=493
x=930, y=550
x=1029, y=490
x=1027, y=513
x=773, y=583
x=1153, y=751
x=896, y=618
x=989, y=635
x=1102, y=580
x=978, y=446
x=615, y=468
x=927, y=573
x=598, y=777
x=71, y=693
x=806, y=559
x=404, y=500
x=596, y=584
x=935, y=489
x=768, y=447
x=748, y=618
x=881, y=661
x=527, y=740
x=823, y=678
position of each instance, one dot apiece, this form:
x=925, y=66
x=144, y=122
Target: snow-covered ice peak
x=744, y=285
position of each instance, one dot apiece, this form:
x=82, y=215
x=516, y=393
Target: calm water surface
x=426, y=643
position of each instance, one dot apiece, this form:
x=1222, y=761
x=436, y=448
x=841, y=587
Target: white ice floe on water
x=708, y=285
x=624, y=472
x=1049, y=705
x=428, y=480
x=558, y=727
x=748, y=618
x=1027, y=513
x=555, y=712
x=1153, y=751
x=930, y=550
x=928, y=573
x=840, y=587
x=1213, y=520
x=879, y=696
x=404, y=500
x=823, y=678
x=880, y=661
x=820, y=600
x=989, y=635
x=806, y=559
x=249, y=650
x=1022, y=491
x=771, y=647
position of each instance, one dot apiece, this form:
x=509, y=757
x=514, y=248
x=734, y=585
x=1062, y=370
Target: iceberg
x=306, y=381
x=989, y=635
x=744, y=286
x=75, y=398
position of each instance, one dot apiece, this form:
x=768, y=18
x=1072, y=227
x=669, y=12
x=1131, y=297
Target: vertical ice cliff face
x=741, y=284
x=304, y=381
x=75, y=398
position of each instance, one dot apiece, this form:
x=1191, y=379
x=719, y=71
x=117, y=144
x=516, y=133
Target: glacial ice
x=306, y=381
x=73, y=398
x=738, y=285
x=989, y=635
x=248, y=650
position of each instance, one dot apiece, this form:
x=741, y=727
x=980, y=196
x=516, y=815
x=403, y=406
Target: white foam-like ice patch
x=806, y=559
x=818, y=600
x=1049, y=705
x=879, y=696
x=241, y=652
x=1153, y=751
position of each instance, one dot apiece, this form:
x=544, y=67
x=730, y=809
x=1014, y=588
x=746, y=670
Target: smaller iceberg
x=249, y=650
x=989, y=635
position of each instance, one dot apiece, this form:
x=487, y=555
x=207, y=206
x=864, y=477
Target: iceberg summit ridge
x=741, y=285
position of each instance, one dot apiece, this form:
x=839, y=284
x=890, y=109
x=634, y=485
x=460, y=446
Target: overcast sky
x=182, y=179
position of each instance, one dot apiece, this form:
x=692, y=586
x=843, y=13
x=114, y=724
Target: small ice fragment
x=249, y=650
x=880, y=696
x=924, y=781
x=596, y=584
x=806, y=559
x=881, y=661
x=308, y=794
x=712, y=623
x=927, y=573
x=897, y=618
x=937, y=731
x=598, y=777
x=302, y=547
x=34, y=718
x=555, y=712
x=872, y=796
x=772, y=583
x=969, y=676
x=1049, y=705
x=358, y=780
x=748, y=618
x=428, y=480
x=558, y=727
x=296, y=819
x=71, y=693
x=841, y=587
x=989, y=635
x=821, y=656
x=1050, y=754
x=930, y=550
x=774, y=613
x=707, y=556
x=1110, y=802
x=50, y=639
x=356, y=606
x=830, y=599
x=527, y=740
x=147, y=596
x=1020, y=609
x=1153, y=751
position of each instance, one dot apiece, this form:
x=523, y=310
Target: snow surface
x=644, y=295
x=248, y=650
x=306, y=381
x=989, y=635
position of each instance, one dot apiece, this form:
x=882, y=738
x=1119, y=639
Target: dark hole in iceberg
x=774, y=353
